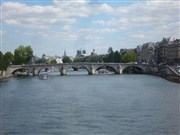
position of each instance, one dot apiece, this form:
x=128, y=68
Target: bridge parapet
x=90, y=67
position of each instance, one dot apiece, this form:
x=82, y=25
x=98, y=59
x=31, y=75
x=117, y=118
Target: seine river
x=79, y=104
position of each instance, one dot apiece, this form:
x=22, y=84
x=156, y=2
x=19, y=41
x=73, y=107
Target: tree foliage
x=96, y=58
x=3, y=65
x=117, y=57
x=53, y=62
x=110, y=57
x=9, y=58
x=66, y=59
x=23, y=55
x=110, y=50
x=129, y=56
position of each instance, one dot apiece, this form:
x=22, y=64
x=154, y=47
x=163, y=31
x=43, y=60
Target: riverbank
x=174, y=79
x=5, y=77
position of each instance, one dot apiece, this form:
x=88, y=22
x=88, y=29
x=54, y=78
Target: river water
x=80, y=104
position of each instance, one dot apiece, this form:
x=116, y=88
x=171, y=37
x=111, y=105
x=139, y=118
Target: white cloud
x=99, y=22
x=19, y=14
x=66, y=27
x=1, y=32
x=157, y=33
x=139, y=36
x=69, y=2
x=98, y=31
x=142, y=14
x=67, y=20
x=36, y=16
x=105, y=8
x=150, y=11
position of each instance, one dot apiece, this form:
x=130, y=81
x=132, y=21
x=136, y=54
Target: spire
x=64, y=52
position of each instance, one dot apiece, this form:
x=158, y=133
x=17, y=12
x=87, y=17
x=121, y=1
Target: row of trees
x=22, y=55
x=111, y=56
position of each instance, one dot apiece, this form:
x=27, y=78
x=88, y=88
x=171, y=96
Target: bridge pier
x=119, y=70
x=63, y=71
x=28, y=72
x=35, y=72
x=92, y=71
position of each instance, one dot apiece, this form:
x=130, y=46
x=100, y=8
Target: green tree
x=66, y=59
x=79, y=59
x=23, y=55
x=86, y=59
x=3, y=65
x=110, y=50
x=9, y=58
x=129, y=56
x=96, y=58
x=53, y=62
x=105, y=58
x=28, y=54
x=117, y=57
x=110, y=55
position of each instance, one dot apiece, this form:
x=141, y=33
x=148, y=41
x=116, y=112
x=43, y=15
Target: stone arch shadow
x=48, y=68
x=21, y=70
x=71, y=67
x=107, y=67
x=133, y=69
x=39, y=70
x=84, y=67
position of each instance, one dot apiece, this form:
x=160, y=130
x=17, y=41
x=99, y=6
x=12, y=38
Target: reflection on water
x=80, y=104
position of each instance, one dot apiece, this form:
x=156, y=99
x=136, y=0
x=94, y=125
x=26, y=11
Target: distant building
x=162, y=50
x=93, y=53
x=167, y=51
x=64, y=52
x=78, y=54
x=35, y=59
x=81, y=53
x=162, y=56
x=138, y=51
x=58, y=59
x=147, y=52
x=45, y=57
x=84, y=52
x=50, y=58
x=173, y=52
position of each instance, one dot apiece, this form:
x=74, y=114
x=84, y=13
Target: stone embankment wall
x=170, y=74
x=5, y=74
x=165, y=72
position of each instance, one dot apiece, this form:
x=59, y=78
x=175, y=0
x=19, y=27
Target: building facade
x=146, y=53
x=81, y=53
x=173, y=52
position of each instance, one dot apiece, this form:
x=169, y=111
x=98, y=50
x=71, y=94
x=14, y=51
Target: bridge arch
x=133, y=69
x=84, y=67
x=45, y=68
x=20, y=70
x=107, y=67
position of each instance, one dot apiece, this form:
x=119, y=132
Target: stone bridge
x=91, y=68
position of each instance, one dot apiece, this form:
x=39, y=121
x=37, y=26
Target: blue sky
x=53, y=26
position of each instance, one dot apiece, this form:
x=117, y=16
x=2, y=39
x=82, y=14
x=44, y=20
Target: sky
x=53, y=26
